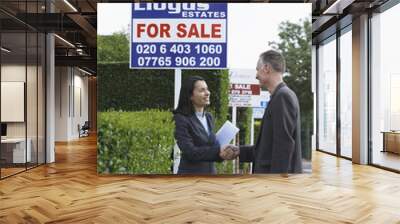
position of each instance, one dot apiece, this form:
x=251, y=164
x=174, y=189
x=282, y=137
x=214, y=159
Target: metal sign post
x=251, y=138
x=177, y=83
x=235, y=162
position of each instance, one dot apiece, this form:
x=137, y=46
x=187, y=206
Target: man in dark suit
x=278, y=146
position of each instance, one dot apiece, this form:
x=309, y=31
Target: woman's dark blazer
x=198, y=149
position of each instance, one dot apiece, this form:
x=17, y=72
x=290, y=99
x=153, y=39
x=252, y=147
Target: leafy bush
x=135, y=142
x=257, y=127
x=306, y=134
x=244, y=124
x=122, y=88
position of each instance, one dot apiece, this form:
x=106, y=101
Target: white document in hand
x=226, y=133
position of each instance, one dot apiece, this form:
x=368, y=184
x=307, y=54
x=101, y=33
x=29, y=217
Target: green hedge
x=135, y=142
x=306, y=134
x=244, y=124
x=257, y=127
x=122, y=88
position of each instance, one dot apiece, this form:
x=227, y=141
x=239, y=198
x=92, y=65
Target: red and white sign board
x=244, y=88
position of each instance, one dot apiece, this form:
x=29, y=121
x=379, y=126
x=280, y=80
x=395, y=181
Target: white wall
x=81, y=82
x=71, y=94
x=62, y=81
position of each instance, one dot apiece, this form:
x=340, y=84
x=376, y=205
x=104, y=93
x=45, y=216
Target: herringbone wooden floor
x=70, y=191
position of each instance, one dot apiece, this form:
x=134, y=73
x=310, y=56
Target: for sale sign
x=243, y=95
x=178, y=35
x=244, y=89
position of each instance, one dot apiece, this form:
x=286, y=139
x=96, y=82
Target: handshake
x=229, y=152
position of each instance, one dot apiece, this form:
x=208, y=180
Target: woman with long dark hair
x=194, y=130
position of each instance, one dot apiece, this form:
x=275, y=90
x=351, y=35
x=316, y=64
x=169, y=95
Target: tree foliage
x=295, y=45
x=113, y=48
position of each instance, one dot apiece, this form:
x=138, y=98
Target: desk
x=15, y=148
x=391, y=141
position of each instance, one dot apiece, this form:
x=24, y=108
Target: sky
x=250, y=26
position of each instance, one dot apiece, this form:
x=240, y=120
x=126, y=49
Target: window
x=22, y=77
x=327, y=96
x=385, y=89
x=346, y=93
